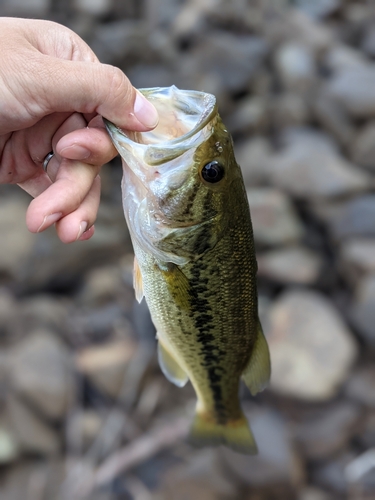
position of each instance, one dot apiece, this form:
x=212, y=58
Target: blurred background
x=85, y=412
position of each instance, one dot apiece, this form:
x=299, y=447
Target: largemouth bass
x=189, y=220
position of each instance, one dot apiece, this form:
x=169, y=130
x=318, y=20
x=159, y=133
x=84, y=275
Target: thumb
x=91, y=87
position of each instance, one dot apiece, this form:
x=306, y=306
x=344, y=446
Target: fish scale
x=195, y=260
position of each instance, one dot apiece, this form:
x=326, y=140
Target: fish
x=188, y=216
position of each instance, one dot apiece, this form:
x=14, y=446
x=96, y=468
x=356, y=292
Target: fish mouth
x=184, y=123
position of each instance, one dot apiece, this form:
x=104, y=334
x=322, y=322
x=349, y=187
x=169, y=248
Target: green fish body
x=188, y=216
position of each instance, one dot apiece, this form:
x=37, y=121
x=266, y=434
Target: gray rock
x=311, y=348
x=353, y=87
x=42, y=373
x=276, y=462
x=358, y=254
x=340, y=57
x=105, y=365
x=353, y=219
x=361, y=386
x=307, y=168
x=331, y=474
x=363, y=149
x=328, y=432
x=296, y=265
x=253, y=157
x=367, y=434
x=289, y=110
x=312, y=493
x=363, y=309
x=9, y=451
x=251, y=115
x=368, y=42
x=318, y=8
x=295, y=65
x=32, y=434
x=37, y=8
x=93, y=7
x=275, y=221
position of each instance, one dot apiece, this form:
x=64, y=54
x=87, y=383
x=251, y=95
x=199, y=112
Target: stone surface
x=296, y=265
x=275, y=221
x=93, y=7
x=42, y=373
x=363, y=309
x=359, y=253
x=363, y=151
x=327, y=432
x=311, y=348
x=276, y=463
x=105, y=365
x=8, y=446
x=361, y=386
x=353, y=88
x=308, y=168
x=295, y=65
x=253, y=157
x=32, y=434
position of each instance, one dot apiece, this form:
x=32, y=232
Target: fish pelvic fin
x=235, y=434
x=258, y=370
x=137, y=281
x=170, y=367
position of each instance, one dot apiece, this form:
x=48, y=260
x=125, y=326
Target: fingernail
x=49, y=220
x=145, y=112
x=82, y=229
x=75, y=152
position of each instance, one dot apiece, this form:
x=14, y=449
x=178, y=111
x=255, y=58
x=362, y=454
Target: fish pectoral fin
x=170, y=367
x=235, y=434
x=258, y=371
x=177, y=283
x=137, y=281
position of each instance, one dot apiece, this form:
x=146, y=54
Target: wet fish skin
x=196, y=266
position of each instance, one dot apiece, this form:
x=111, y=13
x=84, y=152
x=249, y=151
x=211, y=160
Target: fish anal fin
x=137, y=281
x=170, y=367
x=235, y=434
x=258, y=370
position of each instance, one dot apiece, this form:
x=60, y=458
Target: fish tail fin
x=235, y=434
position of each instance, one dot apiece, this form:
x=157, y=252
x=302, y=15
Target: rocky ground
x=85, y=412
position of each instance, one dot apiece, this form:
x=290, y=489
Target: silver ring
x=47, y=159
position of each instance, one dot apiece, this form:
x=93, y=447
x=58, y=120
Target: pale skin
x=53, y=92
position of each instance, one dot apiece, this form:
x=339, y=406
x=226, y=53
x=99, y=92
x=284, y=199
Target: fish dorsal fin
x=258, y=371
x=137, y=281
x=170, y=367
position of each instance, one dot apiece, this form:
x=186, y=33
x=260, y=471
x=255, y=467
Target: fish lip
x=209, y=103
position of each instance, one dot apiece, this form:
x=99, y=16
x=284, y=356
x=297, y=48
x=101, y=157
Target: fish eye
x=212, y=172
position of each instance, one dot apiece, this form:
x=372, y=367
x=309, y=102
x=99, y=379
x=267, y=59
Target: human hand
x=53, y=90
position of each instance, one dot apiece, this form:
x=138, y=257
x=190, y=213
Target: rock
x=361, y=386
x=105, y=365
x=42, y=373
x=311, y=347
x=363, y=149
x=289, y=110
x=32, y=8
x=353, y=88
x=93, y=7
x=8, y=447
x=296, y=265
x=318, y=8
x=102, y=285
x=276, y=462
x=17, y=242
x=341, y=57
x=115, y=41
x=333, y=118
x=253, y=156
x=359, y=254
x=367, y=434
x=33, y=435
x=200, y=477
x=275, y=221
x=8, y=314
x=311, y=493
x=332, y=475
x=363, y=309
x=295, y=65
x=328, y=432
x=228, y=58
x=251, y=115
x=308, y=168
x=84, y=427
x=368, y=42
